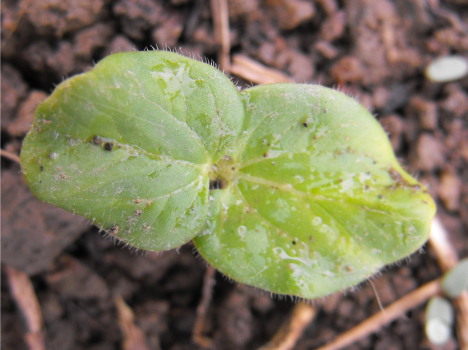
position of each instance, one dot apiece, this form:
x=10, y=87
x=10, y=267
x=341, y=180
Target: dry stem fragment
x=392, y=312
x=25, y=297
x=208, y=283
x=255, y=72
x=133, y=336
x=448, y=259
x=219, y=9
x=10, y=156
x=290, y=332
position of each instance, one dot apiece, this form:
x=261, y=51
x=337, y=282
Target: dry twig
x=448, y=259
x=461, y=307
x=290, y=332
x=25, y=297
x=219, y=9
x=133, y=336
x=438, y=241
x=10, y=156
x=255, y=72
x=392, y=312
x=13, y=26
x=208, y=283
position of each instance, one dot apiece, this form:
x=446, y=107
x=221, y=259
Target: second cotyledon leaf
x=287, y=187
x=314, y=199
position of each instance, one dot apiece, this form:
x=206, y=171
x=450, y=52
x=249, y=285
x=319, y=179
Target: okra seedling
x=291, y=188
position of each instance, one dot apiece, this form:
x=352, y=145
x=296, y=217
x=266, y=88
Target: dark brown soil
x=375, y=50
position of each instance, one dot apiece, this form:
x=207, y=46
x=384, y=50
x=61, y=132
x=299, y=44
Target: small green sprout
x=291, y=188
x=455, y=281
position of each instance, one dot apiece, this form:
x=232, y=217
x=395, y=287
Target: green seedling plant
x=290, y=188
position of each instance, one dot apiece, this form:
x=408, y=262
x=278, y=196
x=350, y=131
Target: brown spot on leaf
x=108, y=146
x=395, y=175
x=218, y=184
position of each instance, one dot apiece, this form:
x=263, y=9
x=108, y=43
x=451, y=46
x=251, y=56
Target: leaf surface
x=315, y=200
x=130, y=143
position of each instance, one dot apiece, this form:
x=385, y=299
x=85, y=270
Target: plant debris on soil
x=93, y=293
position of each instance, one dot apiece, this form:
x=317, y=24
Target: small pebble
x=437, y=331
x=448, y=68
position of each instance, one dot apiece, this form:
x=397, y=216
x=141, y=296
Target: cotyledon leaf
x=129, y=145
x=312, y=198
